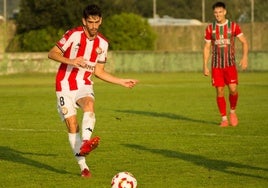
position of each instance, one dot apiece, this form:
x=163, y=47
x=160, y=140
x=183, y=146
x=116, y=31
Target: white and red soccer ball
x=124, y=180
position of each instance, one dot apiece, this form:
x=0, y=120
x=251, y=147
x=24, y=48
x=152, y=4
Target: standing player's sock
x=88, y=124
x=233, y=101
x=75, y=142
x=82, y=163
x=224, y=118
x=221, y=105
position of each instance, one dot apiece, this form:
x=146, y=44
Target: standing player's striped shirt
x=222, y=38
x=75, y=43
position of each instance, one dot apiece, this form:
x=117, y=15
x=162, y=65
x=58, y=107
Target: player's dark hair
x=218, y=4
x=91, y=10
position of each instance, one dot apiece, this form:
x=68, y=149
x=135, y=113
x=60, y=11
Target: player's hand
x=78, y=62
x=206, y=71
x=243, y=63
x=129, y=83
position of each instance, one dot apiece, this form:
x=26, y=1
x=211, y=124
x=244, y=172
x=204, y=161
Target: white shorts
x=66, y=100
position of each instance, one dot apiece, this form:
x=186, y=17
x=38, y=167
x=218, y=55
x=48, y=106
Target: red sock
x=233, y=100
x=221, y=105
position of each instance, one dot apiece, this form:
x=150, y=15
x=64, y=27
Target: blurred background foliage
x=40, y=23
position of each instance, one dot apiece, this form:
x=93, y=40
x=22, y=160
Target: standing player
x=220, y=36
x=82, y=51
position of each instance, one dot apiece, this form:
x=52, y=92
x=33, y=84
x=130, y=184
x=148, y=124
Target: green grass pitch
x=164, y=131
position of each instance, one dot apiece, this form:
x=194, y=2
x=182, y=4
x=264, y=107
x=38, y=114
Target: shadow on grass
x=166, y=115
x=210, y=164
x=9, y=154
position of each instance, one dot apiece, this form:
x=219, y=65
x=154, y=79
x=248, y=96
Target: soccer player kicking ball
x=82, y=51
x=220, y=36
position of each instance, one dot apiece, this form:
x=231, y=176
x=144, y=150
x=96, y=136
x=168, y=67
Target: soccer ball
x=124, y=180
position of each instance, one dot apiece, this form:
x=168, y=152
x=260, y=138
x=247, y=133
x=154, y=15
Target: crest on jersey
x=99, y=50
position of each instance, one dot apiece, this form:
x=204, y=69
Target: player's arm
x=206, y=54
x=103, y=75
x=56, y=54
x=244, y=60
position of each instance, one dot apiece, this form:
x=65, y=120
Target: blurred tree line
x=191, y=9
x=40, y=23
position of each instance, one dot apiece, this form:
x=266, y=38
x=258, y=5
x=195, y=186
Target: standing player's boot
x=88, y=146
x=224, y=123
x=233, y=119
x=86, y=173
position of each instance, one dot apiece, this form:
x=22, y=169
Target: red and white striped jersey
x=75, y=43
x=222, y=38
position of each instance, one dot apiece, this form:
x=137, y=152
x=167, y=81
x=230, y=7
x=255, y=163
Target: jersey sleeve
x=65, y=41
x=102, y=57
x=208, y=33
x=237, y=30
